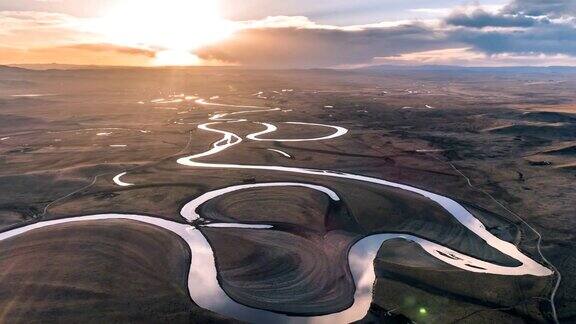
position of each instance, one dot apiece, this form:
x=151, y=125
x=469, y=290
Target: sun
x=173, y=28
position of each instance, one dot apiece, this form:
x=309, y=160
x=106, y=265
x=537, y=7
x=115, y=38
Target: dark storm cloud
x=545, y=39
x=551, y=8
x=535, y=30
x=480, y=18
x=314, y=47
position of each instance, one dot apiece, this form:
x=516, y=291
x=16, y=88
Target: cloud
x=32, y=29
x=41, y=37
x=432, y=11
x=448, y=56
x=551, y=8
x=470, y=57
x=503, y=34
x=81, y=54
x=480, y=19
x=524, y=27
x=533, y=29
x=299, y=42
x=546, y=39
x=320, y=46
x=112, y=48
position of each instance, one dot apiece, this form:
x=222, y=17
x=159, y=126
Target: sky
x=288, y=33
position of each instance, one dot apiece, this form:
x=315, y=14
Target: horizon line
x=64, y=66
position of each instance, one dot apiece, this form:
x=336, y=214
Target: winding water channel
x=202, y=281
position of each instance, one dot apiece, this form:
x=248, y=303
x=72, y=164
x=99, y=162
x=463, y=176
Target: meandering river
x=203, y=284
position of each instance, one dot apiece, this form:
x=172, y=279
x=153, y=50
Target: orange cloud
x=28, y=37
x=81, y=54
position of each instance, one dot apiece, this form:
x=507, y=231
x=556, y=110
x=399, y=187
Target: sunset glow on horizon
x=173, y=28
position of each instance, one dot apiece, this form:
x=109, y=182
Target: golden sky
x=130, y=32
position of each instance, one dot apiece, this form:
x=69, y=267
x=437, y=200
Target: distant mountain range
x=7, y=68
x=455, y=68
